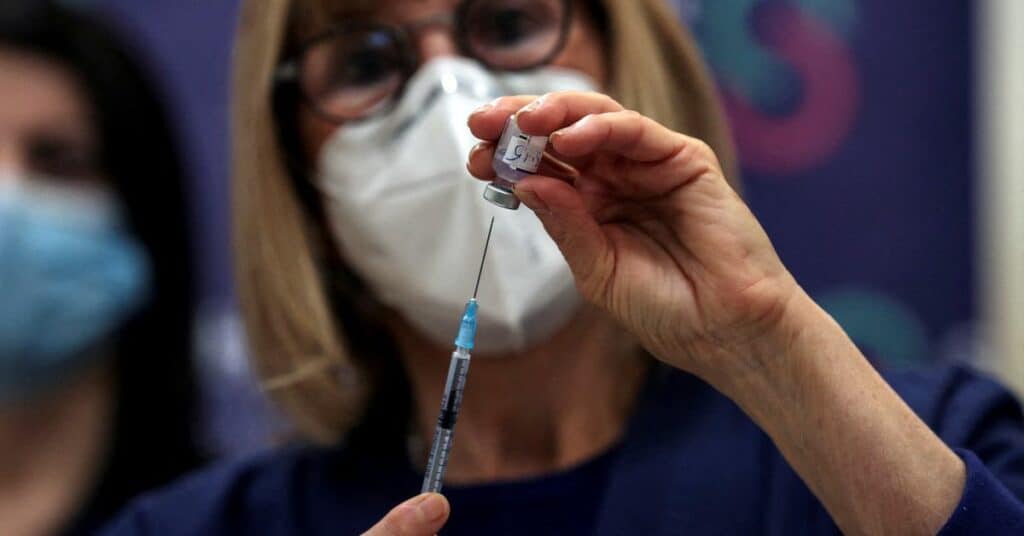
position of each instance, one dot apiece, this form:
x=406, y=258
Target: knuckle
x=707, y=154
x=557, y=100
x=700, y=155
x=551, y=98
x=702, y=148
x=609, y=102
x=591, y=118
x=632, y=116
x=698, y=149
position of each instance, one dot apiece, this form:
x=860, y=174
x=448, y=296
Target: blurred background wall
x=1000, y=170
x=188, y=45
x=881, y=144
x=853, y=120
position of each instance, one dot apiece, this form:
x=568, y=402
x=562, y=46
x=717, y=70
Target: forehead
x=37, y=91
x=312, y=16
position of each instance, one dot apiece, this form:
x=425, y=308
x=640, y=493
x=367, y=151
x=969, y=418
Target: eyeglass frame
x=288, y=71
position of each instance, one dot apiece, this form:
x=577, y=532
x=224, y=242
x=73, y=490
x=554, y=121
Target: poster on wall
x=853, y=124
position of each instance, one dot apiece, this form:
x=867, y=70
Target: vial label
x=524, y=152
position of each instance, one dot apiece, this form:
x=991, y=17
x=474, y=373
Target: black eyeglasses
x=358, y=69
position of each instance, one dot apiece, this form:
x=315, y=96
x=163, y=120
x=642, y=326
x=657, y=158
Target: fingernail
x=433, y=507
x=417, y=499
x=483, y=108
x=481, y=146
x=532, y=106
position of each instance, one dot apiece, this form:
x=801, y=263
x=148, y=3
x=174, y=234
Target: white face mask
x=412, y=222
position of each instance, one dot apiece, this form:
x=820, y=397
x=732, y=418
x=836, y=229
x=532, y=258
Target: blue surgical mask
x=70, y=276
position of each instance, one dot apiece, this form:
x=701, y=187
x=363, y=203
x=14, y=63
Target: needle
x=483, y=258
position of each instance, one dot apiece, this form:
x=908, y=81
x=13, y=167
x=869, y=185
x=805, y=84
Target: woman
x=95, y=381
x=357, y=240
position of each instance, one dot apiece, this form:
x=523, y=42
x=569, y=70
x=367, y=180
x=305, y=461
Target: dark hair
x=153, y=437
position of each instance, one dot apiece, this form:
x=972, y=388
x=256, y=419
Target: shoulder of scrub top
x=982, y=422
x=215, y=500
x=276, y=492
x=963, y=406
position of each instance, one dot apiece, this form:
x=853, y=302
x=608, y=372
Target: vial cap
x=501, y=196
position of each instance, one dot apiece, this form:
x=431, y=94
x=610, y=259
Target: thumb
x=423, y=515
x=565, y=217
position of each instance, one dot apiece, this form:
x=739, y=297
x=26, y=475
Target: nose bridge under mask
x=448, y=140
x=439, y=82
x=441, y=79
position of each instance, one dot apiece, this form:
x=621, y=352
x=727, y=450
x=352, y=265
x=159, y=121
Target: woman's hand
x=652, y=231
x=654, y=234
x=422, y=515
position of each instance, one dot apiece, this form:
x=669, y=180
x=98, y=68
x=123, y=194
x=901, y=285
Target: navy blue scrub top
x=690, y=462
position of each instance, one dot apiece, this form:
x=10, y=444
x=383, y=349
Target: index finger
x=487, y=121
x=554, y=111
x=539, y=116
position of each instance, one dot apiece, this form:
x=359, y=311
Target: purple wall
x=854, y=124
x=188, y=45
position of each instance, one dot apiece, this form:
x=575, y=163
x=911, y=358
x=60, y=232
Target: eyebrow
x=334, y=11
x=312, y=17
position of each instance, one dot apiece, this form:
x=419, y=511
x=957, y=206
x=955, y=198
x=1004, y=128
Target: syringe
x=451, y=400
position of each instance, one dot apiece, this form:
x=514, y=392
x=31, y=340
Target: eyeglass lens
x=513, y=34
x=357, y=70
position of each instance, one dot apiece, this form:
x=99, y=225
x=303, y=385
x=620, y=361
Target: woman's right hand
x=422, y=515
x=654, y=234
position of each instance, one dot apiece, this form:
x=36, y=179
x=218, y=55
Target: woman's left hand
x=652, y=231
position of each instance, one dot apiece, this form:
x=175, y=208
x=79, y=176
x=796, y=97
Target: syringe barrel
x=440, y=448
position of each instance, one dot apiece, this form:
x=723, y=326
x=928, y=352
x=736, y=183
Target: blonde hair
x=297, y=345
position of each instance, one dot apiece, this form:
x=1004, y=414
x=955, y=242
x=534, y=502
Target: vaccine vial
x=516, y=156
